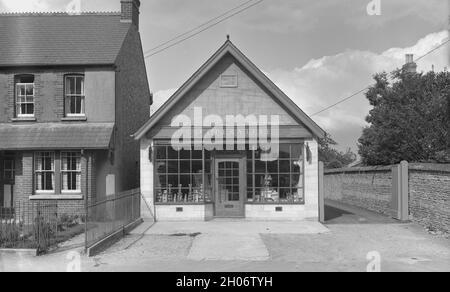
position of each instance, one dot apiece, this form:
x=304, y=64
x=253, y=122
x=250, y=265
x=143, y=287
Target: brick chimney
x=130, y=11
x=410, y=66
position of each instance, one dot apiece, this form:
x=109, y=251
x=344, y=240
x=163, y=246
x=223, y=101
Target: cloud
x=287, y=16
x=25, y=5
x=160, y=97
x=56, y=5
x=422, y=47
x=324, y=81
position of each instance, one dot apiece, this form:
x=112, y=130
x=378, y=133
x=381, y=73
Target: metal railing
x=111, y=215
x=38, y=225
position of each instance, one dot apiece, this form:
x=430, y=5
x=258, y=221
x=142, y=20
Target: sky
x=317, y=52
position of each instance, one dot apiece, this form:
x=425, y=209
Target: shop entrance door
x=230, y=188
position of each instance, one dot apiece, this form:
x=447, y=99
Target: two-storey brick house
x=73, y=89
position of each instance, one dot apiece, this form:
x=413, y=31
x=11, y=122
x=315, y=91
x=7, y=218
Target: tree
x=410, y=119
x=331, y=157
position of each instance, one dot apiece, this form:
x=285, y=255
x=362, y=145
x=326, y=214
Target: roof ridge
x=60, y=13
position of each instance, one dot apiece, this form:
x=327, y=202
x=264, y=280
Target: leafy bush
x=331, y=157
x=68, y=221
x=9, y=233
x=13, y=235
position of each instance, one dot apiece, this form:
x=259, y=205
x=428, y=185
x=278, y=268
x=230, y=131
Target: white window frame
x=19, y=103
x=63, y=171
x=38, y=155
x=81, y=95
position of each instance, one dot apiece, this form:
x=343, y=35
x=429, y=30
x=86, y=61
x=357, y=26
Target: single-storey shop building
x=229, y=144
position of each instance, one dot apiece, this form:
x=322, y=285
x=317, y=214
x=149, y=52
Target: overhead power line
x=203, y=27
x=341, y=101
x=367, y=87
x=198, y=27
x=433, y=50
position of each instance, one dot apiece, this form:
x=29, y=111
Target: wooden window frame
x=291, y=160
x=11, y=170
x=19, y=102
x=179, y=173
x=68, y=96
x=78, y=171
x=37, y=171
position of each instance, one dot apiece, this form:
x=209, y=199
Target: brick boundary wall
x=371, y=188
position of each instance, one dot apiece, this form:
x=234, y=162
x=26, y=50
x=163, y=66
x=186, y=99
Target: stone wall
x=365, y=187
x=429, y=196
x=372, y=187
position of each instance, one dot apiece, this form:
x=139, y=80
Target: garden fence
x=37, y=225
x=106, y=217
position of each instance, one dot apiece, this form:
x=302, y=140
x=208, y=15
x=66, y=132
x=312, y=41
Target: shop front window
x=278, y=181
x=182, y=176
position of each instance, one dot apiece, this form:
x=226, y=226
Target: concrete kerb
x=21, y=252
x=112, y=238
x=237, y=227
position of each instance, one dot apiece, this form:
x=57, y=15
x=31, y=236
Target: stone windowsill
x=74, y=119
x=17, y=120
x=57, y=197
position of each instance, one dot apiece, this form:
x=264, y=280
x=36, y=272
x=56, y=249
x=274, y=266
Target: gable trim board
x=285, y=132
x=229, y=48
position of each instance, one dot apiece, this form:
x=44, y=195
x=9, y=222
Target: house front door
x=6, y=184
x=230, y=188
x=7, y=196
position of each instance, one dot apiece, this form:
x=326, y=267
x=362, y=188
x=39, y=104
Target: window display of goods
x=193, y=195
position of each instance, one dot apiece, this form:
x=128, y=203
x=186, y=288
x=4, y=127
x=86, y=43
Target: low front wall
x=279, y=212
x=365, y=187
x=252, y=212
x=198, y=212
x=70, y=207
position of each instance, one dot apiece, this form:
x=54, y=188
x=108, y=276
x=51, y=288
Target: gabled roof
x=230, y=48
x=55, y=136
x=36, y=39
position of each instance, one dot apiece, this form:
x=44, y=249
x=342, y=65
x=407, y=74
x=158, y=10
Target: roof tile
x=55, y=136
x=60, y=39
